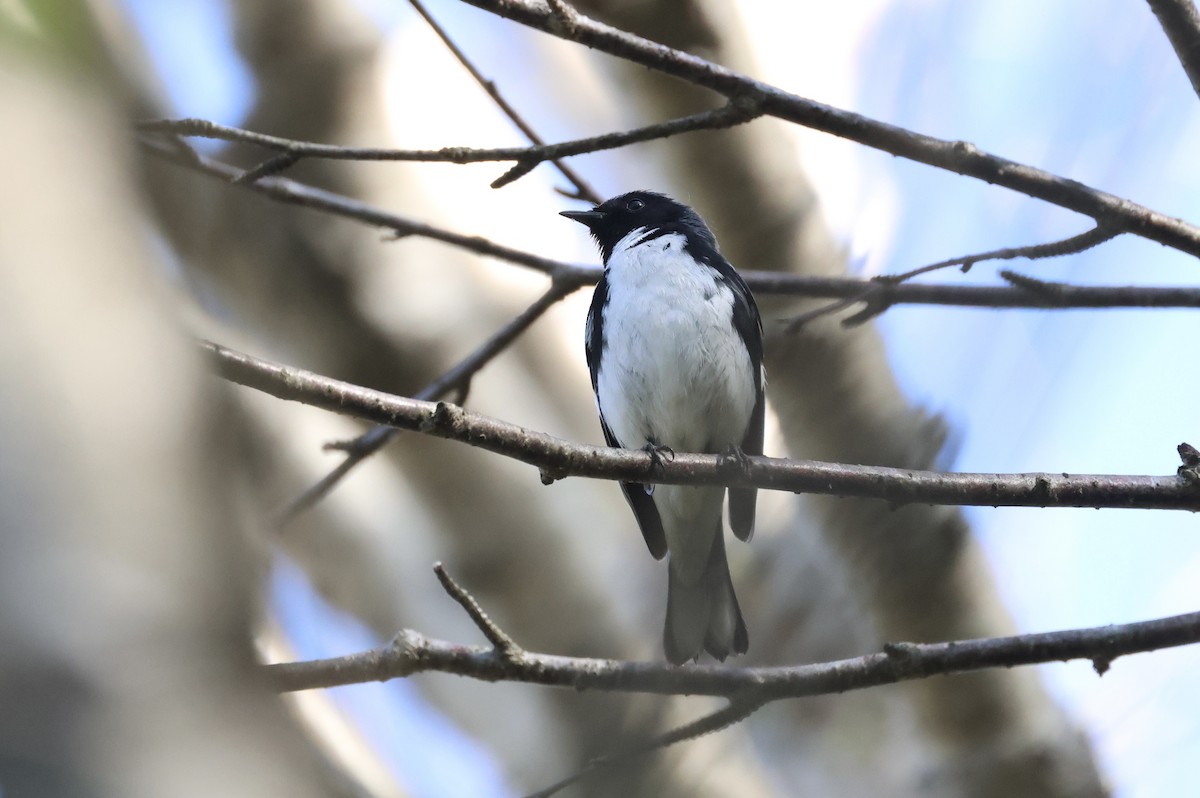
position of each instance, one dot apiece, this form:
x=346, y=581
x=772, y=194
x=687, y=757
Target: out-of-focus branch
x=558, y=458
x=960, y=157
x=412, y=652
x=735, y=712
x=1063, y=296
x=1181, y=22
x=456, y=381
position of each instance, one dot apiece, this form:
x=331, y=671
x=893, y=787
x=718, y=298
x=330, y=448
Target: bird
x=674, y=345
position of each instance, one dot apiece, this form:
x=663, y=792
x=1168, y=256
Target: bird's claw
x=659, y=454
x=735, y=455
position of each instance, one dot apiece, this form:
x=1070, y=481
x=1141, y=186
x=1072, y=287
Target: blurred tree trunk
x=125, y=589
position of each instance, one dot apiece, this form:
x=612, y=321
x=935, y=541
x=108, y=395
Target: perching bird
x=674, y=345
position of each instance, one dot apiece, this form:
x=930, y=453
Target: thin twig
x=281, y=189
x=960, y=157
x=413, y=653
x=557, y=458
x=525, y=158
x=728, y=115
x=583, y=190
x=877, y=295
x=738, y=709
x=1181, y=22
x=504, y=645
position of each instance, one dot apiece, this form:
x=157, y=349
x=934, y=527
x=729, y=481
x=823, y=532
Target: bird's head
x=611, y=221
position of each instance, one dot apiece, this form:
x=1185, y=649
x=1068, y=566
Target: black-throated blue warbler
x=674, y=346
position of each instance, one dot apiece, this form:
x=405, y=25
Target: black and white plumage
x=674, y=345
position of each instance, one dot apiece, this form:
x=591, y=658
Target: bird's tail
x=704, y=613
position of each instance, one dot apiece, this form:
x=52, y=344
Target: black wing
x=643, y=506
x=742, y=501
x=593, y=330
x=635, y=493
x=748, y=323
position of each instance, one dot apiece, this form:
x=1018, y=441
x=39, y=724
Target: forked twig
x=877, y=295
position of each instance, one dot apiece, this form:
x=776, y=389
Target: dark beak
x=588, y=218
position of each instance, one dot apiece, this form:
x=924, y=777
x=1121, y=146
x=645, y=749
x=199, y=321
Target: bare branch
x=960, y=157
x=878, y=299
x=725, y=116
x=583, y=190
x=780, y=283
x=412, y=652
x=558, y=458
x=290, y=192
x=526, y=158
x=457, y=381
x=504, y=645
x=736, y=711
x=1181, y=23
x=1051, y=249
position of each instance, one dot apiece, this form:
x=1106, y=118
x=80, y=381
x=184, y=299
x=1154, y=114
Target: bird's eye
x=635, y=205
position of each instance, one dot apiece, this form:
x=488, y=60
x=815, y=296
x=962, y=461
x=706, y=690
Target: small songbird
x=674, y=345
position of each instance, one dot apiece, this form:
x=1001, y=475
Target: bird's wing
x=635, y=493
x=742, y=501
x=593, y=330
x=643, y=505
x=748, y=323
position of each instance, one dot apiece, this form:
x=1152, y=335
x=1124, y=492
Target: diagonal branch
x=960, y=157
x=457, y=381
x=583, y=190
x=558, y=458
x=735, y=712
x=291, y=192
x=501, y=642
x=1181, y=22
x=412, y=652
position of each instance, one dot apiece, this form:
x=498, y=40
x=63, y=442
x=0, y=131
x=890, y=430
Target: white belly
x=674, y=371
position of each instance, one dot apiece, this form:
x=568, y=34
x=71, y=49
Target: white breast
x=674, y=369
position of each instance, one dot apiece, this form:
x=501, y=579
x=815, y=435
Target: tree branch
x=877, y=297
x=1181, y=23
x=290, y=192
x=735, y=712
x=412, y=652
x=501, y=642
x=526, y=158
x=558, y=458
x=960, y=157
x=583, y=190
x=457, y=381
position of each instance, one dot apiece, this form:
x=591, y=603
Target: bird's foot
x=736, y=458
x=659, y=454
